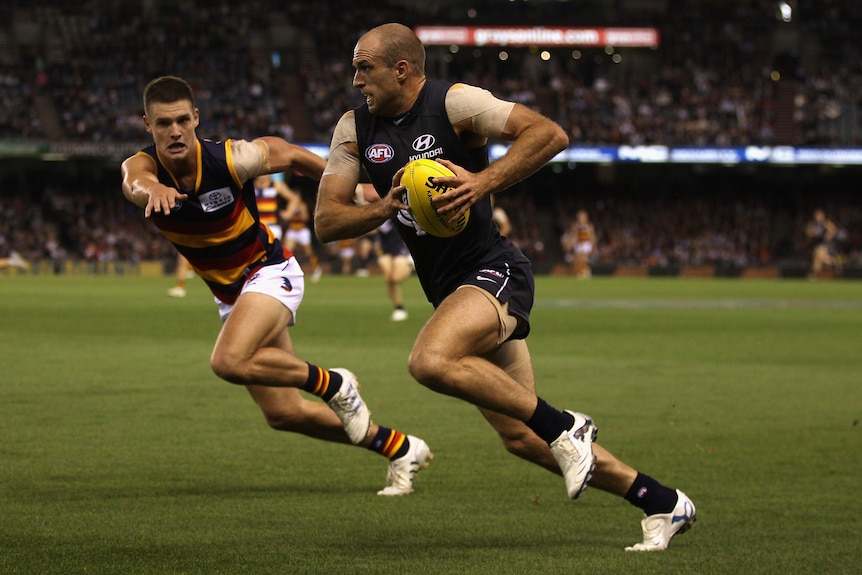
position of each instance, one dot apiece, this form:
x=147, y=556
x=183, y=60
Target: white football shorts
x=301, y=237
x=284, y=281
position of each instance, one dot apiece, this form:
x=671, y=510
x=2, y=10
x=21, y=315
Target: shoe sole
x=689, y=523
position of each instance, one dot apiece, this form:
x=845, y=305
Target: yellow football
x=417, y=179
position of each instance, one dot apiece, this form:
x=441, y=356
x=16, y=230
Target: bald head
x=398, y=42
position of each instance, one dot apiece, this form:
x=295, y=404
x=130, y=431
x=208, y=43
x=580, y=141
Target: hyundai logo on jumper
x=423, y=142
x=424, y=145
x=379, y=153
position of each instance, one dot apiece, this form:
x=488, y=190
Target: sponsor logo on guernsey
x=495, y=273
x=424, y=143
x=430, y=154
x=379, y=153
x=216, y=199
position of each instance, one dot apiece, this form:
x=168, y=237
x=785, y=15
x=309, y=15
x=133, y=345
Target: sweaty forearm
x=138, y=191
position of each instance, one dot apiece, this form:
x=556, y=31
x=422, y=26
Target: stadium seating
x=75, y=71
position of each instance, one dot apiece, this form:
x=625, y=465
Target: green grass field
x=122, y=453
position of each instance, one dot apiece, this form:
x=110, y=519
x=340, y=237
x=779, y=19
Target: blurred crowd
x=80, y=225
x=683, y=220
x=724, y=75
x=284, y=68
x=725, y=220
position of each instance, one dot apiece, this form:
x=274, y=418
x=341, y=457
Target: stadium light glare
x=785, y=11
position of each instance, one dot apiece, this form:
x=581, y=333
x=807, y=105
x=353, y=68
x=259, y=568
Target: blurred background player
x=182, y=272
x=361, y=250
x=821, y=232
x=297, y=237
x=15, y=260
x=354, y=254
x=394, y=258
x=501, y=218
x=396, y=265
x=578, y=244
x=267, y=191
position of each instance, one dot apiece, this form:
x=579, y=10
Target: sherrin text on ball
x=418, y=178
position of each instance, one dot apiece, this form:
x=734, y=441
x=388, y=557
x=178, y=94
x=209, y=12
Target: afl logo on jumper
x=423, y=142
x=379, y=153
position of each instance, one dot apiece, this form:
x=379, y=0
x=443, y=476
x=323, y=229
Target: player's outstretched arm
x=284, y=156
x=141, y=186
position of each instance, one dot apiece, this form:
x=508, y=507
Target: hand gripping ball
x=417, y=179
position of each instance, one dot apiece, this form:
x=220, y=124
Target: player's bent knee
x=428, y=370
x=297, y=417
x=285, y=421
x=518, y=444
x=228, y=369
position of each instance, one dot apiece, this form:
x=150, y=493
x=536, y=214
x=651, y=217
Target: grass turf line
x=122, y=453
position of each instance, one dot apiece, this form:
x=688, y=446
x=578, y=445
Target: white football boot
x=402, y=471
x=660, y=528
x=177, y=291
x=349, y=407
x=573, y=450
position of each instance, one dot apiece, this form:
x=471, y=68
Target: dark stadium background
x=725, y=76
